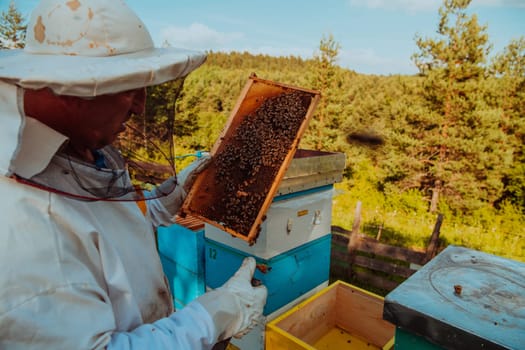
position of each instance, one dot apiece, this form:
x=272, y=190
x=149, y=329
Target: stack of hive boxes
x=262, y=197
x=293, y=248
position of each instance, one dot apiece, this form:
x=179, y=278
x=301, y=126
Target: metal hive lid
x=310, y=169
x=463, y=299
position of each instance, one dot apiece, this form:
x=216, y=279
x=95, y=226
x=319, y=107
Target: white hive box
x=290, y=222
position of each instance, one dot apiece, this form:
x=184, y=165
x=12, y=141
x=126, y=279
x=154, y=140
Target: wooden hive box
x=251, y=156
x=341, y=316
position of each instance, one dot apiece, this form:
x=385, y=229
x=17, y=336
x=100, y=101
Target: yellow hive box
x=341, y=316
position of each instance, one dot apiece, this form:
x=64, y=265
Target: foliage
x=12, y=28
x=324, y=80
x=460, y=129
x=450, y=139
x=508, y=96
x=421, y=127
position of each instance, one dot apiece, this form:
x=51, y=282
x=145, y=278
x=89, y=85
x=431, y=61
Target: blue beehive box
x=181, y=249
x=185, y=285
x=461, y=299
x=288, y=275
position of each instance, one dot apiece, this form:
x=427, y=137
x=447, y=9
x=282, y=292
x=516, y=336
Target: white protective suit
x=82, y=274
x=73, y=271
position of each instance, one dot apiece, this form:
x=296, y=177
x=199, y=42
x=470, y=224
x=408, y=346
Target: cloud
x=368, y=61
x=413, y=6
x=410, y=6
x=198, y=36
x=364, y=60
x=361, y=56
x=201, y=37
x=500, y=3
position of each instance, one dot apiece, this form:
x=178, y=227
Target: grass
x=404, y=221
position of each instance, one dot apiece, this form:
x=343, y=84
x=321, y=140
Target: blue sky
x=375, y=36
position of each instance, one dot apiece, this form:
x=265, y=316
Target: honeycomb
x=238, y=185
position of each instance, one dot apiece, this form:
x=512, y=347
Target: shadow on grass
x=388, y=235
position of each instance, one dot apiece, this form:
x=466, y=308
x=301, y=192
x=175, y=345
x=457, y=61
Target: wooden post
x=379, y=231
x=352, y=239
x=433, y=244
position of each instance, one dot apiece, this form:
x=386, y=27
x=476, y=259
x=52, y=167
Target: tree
x=150, y=136
x=508, y=69
x=12, y=28
x=322, y=133
x=461, y=155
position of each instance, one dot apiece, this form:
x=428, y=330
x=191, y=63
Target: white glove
x=173, y=191
x=237, y=306
x=189, y=328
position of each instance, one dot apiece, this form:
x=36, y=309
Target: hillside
x=389, y=133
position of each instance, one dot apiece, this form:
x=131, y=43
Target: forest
x=449, y=140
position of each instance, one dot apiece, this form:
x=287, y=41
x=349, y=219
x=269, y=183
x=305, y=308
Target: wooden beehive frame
x=254, y=93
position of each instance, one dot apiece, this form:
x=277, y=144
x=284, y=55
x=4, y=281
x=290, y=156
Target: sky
x=375, y=36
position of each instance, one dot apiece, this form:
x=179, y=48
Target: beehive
x=181, y=251
x=461, y=299
x=251, y=156
x=341, y=316
x=286, y=276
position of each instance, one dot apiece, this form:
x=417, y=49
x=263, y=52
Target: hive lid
x=463, y=299
x=311, y=169
x=251, y=156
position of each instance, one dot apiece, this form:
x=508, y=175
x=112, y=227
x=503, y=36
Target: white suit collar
x=11, y=122
x=27, y=145
x=39, y=144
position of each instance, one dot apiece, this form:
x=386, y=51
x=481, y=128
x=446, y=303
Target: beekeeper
x=79, y=263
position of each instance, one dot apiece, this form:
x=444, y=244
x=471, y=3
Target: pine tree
x=321, y=134
x=461, y=158
x=12, y=28
x=508, y=90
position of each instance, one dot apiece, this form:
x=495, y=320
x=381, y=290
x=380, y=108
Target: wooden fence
x=366, y=262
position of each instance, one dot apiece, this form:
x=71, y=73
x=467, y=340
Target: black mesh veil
x=139, y=160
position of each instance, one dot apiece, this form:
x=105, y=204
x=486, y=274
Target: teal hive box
x=181, y=249
x=461, y=299
x=185, y=285
x=288, y=276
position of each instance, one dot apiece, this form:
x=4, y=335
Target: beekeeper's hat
x=91, y=47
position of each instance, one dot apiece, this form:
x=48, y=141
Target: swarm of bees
x=247, y=166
